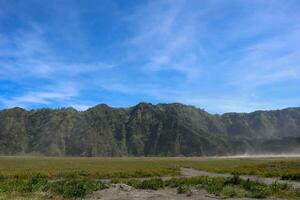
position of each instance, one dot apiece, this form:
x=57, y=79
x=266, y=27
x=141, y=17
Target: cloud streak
x=166, y=40
x=218, y=55
x=59, y=93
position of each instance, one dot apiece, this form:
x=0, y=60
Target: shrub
x=74, y=188
x=152, y=184
x=259, y=191
x=234, y=180
x=175, y=182
x=295, y=177
x=133, y=182
x=248, y=184
x=212, y=185
x=256, y=189
x=38, y=182
x=183, y=189
x=277, y=187
x=101, y=186
x=233, y=191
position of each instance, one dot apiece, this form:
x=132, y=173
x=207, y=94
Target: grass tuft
x=182, y=189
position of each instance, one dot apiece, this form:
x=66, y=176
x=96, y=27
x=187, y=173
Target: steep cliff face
x=264, y=124
x=146, y=129
x=13, y=132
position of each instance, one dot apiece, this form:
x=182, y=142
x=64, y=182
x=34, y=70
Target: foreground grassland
x=39, y=187
x=63, y=178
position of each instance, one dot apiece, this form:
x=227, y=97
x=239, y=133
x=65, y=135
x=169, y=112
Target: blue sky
x=219, y=55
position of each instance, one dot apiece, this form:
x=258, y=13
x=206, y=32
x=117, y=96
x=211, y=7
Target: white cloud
x=32, y=57
x=58, y=93
x=166, y=40
x=267, y=62
x=80, y=107
x=26, y=58
x=197, y=39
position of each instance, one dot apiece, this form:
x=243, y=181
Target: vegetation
x=68, y=167
x=183, y=189
x=63, y=178
x=39, y=187
x=147, y=130
x=151, y=184
x=131, y=167
x=231, y=187
x=286, y=169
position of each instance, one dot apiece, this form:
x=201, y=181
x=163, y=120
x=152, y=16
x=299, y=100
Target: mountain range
x=147, y=130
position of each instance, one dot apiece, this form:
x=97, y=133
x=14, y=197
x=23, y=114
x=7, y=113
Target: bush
x=132, y=182
x=256, y=189
x=16, y=185
x=183, y=189
x=38, y=182
x=259, y=191
x=75, y=188
x=212, y=185
x=294, y=177
x=234, y=180
x=277, y=187
x=153, y=184
x=175, y=182
x=233, y=191
x=101, y=186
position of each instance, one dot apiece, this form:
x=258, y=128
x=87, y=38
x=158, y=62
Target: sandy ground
x=188, y=172
x=119, y=193
x=125, y=192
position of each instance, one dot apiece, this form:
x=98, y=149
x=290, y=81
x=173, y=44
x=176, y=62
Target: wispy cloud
x=166, y=40
x=59, y=93
x=268, y=61
x=254, y=48
x=219, y=55
x=26, y=58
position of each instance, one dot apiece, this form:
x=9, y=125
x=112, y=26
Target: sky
x=218, y=55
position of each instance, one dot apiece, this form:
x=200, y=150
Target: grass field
x=69, y=167
x=67, y=177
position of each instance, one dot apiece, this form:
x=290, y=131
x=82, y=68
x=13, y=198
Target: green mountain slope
x=145, y=130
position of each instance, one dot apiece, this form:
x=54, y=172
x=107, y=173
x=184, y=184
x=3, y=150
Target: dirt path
x=188, y=172
x=125, y=192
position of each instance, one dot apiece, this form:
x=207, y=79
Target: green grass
x=70, y=177
x=234, y=191
x=41, y=188
x=69, y=167
x=38, y=187
x=227, y=188
x=183, y=189
x=286, y=168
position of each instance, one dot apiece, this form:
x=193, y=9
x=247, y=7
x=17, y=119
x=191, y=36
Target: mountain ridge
x=158, y=104
x=147, y=129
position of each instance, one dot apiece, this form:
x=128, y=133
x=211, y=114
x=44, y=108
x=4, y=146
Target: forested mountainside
x=146, y=130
